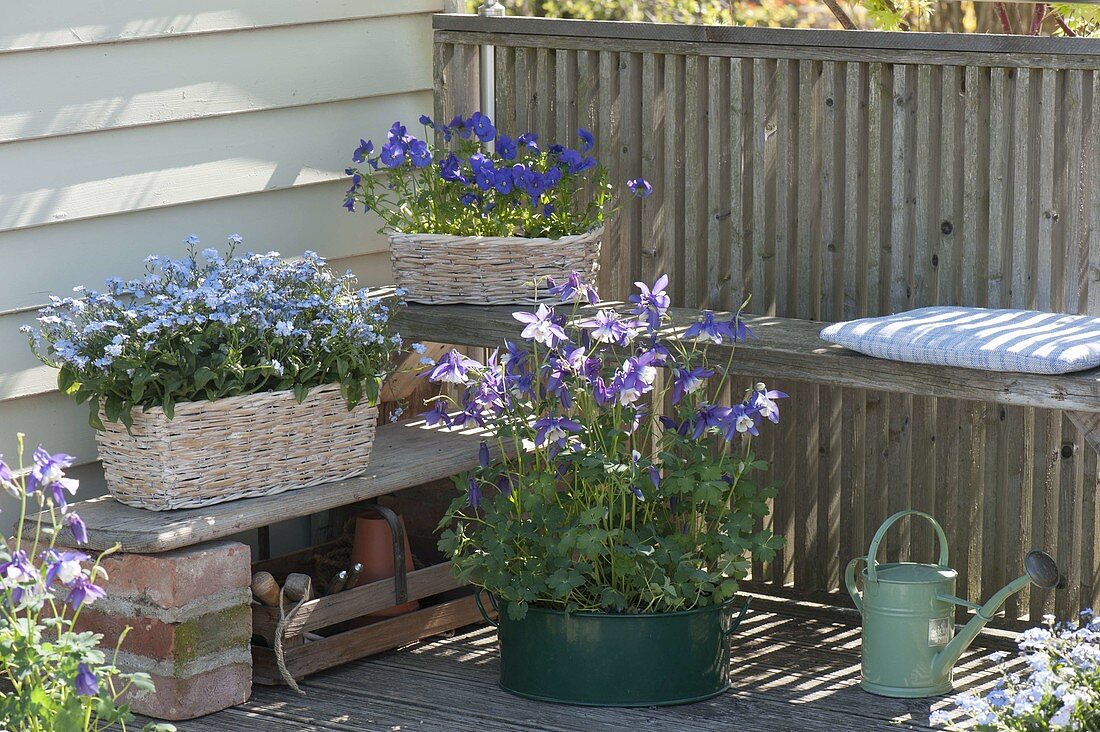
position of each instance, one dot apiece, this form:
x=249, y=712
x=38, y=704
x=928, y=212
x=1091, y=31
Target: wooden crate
x=330, y=630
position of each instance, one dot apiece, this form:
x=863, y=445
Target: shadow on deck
x=790, y=674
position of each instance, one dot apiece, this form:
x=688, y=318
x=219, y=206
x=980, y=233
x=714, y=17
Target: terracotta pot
x=374, y=549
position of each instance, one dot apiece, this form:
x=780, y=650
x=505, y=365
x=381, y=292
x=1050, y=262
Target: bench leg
x=191, y=626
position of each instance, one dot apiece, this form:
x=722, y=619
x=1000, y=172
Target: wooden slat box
x=322, y=633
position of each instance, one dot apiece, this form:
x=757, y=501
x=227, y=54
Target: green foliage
x=1082, y=19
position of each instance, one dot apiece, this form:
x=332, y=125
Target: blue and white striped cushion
x=1024, y=341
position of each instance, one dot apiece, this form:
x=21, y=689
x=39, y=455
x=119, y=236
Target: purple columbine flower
x=709, y=416
x=7, y=480
x=763, y=401
x=541, y=326
x=681, y=428
x=740, y=331
x=437, y=414
x=688, y=381
x=483, y=455
x=473, y=493
x=82, y=591
x=63, y=566
x=453, y=368
x=86, y=682
x=587, y=140
x=708, y=329
x=77, y=528
x=48, y=469
x=640, y=187
x=741, y=420
x=18, y=569
x=572, y=289
x=554, y=430
x=637, y=492
x=504, y=485
x=635, y=377
x=608, y=327
x=654, y=476
x=651, y=303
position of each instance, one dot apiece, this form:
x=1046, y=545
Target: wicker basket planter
x=439, y=269
x=236, y=447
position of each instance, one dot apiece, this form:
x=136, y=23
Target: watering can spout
x=1041, y=570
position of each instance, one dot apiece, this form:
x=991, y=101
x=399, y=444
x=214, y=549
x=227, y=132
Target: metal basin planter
x=627, y=660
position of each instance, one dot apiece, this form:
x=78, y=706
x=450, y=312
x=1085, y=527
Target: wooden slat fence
x=830, y=175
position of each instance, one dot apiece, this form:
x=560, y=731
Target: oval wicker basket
x=236, y=447
x=440, y=269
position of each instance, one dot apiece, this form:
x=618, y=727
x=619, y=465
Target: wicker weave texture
x=439, y=269
x=236, y=447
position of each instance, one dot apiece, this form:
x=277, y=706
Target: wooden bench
x=786, y=348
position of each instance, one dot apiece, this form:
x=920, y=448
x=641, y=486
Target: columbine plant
x=603, y=500
x=1058, y=689
x=481, y=182
x=52, y=677
x=209, y=326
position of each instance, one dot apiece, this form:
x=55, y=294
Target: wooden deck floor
x=791, y=672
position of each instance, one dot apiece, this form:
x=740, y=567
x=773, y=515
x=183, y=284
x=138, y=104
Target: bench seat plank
x=788, y=348
x=404, y=455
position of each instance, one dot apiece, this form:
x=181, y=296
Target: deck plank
x=789, y=349
x=790, y=673
x=404, y=455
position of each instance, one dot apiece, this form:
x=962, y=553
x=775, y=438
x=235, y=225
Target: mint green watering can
x=909, y=642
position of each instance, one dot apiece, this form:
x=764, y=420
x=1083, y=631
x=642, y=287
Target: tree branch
x=1002, y=14
x=903, y=24
x=1038, y=17
x=841, y=15
x=1062, y=24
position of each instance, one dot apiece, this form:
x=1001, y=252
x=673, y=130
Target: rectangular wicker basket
x=236, y=447
x=440, y=269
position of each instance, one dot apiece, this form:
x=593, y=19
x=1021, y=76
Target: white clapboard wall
x=127, y=126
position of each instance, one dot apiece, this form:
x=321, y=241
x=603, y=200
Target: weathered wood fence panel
x=828, y=175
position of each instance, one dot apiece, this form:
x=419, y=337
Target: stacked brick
x=191, y=626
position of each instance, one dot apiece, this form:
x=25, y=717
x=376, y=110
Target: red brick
x=180, y=642
x=205, y=693
x=176, y=578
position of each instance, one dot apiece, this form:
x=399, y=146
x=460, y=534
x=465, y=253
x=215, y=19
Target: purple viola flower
x=686, y=381
x=419, y=153
x=453, y=368
x=506, y=147
x=365, y=150
x=737, y=327
x=541, y=327
x=82, y=591
x=473, y=493
x=86, y=682
x=528, y=139
x=554, y=430
x=651, y=303
x=393, y=153
x=708, y=329
x=483, y=455
x=482, y=127
x=450, y=169
x=640, y=187
x=763, y=401
x=460, y=127
x=503, y=181
x=427, y=121
x=709, y=416
x=77, y=528
x=587, y=140
x=574, y=162
x=572, y=289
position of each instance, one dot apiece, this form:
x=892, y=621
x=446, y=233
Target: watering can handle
x=481, y=607
x=850, y=582
x=872, y=552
